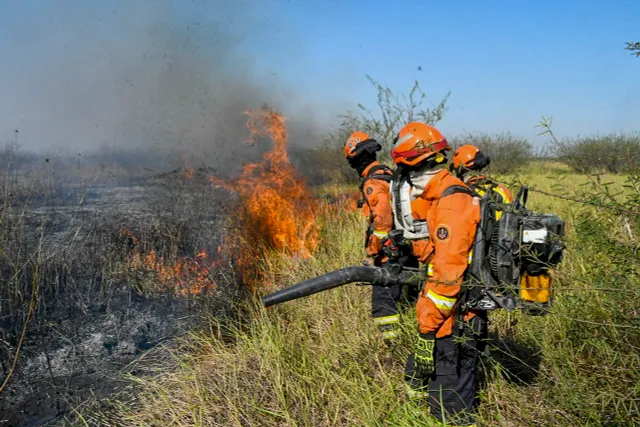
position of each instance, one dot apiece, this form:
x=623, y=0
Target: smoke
x=163, y=75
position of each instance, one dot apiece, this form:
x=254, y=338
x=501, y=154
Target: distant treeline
x=613, y=153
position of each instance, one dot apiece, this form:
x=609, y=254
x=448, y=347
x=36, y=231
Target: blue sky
x=506, y=63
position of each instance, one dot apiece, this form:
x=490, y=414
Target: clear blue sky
x=506, y=63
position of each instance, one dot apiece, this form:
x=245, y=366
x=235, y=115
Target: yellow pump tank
x=536, y=289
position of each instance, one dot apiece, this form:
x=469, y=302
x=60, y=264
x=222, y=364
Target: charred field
x=94, y=273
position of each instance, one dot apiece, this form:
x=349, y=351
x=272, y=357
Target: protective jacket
x=376, y=205
x=452, y=218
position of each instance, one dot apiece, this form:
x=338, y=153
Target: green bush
x=508, y=152
x=614, y=153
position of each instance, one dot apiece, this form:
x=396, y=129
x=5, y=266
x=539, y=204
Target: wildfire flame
x=278, y=208
x=187, y=275
x=277, y=211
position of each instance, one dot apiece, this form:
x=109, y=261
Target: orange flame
x=279, y=212
x=188, y=276
x=188, y=173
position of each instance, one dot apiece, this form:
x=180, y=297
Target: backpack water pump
x=513, y=257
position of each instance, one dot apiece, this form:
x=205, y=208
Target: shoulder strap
x=456, y=189
x=386, y=176
x=384, y=168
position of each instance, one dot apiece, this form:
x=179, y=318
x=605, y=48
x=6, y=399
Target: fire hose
x=375, y=276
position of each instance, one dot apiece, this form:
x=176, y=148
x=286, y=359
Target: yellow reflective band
x=380, y=234
x=430, y=270
x=443, y=303
x=387, y=320
x=389, y=334
x=470, y=256
x=415, y=394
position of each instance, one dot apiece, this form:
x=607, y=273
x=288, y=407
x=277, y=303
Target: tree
x=393, y=111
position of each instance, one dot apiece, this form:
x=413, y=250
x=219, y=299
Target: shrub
x=508, y=152
x=614, y=153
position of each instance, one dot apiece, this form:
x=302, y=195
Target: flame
x=188, y=173
x=278, y=210
x=187, y=276
x=351, y=204
x=188, y=170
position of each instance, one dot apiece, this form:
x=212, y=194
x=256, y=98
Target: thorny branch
x=616, y=208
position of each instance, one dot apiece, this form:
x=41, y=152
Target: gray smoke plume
x=163, y=75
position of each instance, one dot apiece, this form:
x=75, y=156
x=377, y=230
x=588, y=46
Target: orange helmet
x=416, y=142
x=470, y=157
x=359, y=142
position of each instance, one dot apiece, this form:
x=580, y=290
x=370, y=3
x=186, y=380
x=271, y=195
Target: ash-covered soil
x=70, y=361
x=92, y=323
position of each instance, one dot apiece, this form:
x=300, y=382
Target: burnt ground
x=95, y=324
x=73, y=360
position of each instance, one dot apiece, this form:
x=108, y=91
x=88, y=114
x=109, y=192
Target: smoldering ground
x=117, y=86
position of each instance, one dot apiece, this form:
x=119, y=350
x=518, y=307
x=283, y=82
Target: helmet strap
x=435, y=162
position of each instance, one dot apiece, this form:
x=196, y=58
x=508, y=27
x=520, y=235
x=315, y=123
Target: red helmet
x=416, y=142
x=359, y=142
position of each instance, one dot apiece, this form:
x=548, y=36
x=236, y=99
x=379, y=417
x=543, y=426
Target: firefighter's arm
x=453, y=231
x=422, y=249
x=377, y=194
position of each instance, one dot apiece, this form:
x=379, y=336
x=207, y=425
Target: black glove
x=423, y=354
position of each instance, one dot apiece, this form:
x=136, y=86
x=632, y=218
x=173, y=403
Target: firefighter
x=360, y=151
x=439, y=214
x=468, y=161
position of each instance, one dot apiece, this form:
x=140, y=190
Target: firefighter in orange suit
x=468, y=159
x=360, y=151
x=439, y=214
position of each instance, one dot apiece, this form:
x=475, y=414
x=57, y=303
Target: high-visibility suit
x=452, y=222
x=376, y=206
x=360, y=151
x=439, y=214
